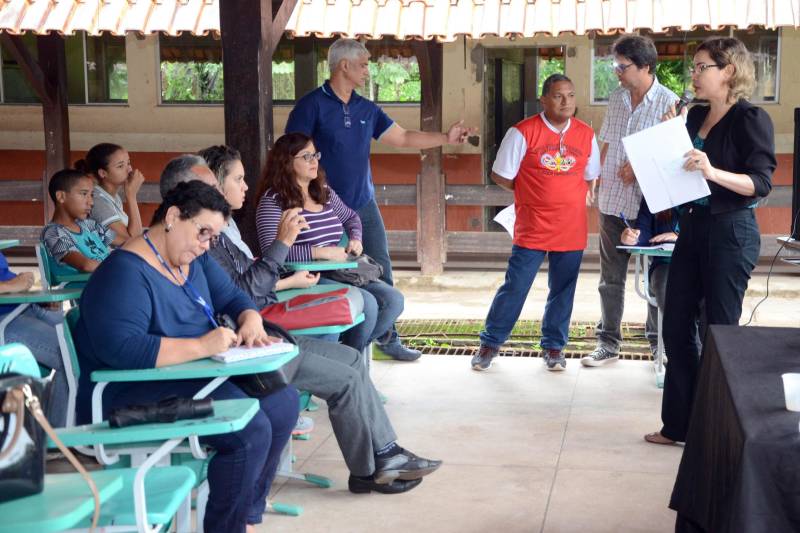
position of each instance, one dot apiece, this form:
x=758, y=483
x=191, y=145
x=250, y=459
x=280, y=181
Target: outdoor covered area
x=524, y=449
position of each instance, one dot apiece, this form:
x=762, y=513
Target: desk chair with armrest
x=192, y=454
x=132, y=499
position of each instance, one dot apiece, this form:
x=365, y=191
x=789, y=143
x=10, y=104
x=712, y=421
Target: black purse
x=22, y=440
x=366, y=270
x=264, y=383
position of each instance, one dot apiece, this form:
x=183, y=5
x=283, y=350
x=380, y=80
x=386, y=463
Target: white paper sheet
x=243, y=353
x=506, y=218
x=657, y=156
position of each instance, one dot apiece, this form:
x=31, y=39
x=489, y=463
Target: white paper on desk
x=506, y=218
x=657, y=156
x=666, y=246
x=243, y=353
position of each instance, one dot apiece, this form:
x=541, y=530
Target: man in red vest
x=546, y=160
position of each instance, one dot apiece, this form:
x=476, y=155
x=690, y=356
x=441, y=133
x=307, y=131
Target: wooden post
x=48, y=78
x=250, y=35
x=431, y=205
x=53, y=62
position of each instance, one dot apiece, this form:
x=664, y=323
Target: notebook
x=243, y=353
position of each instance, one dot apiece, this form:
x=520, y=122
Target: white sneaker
x=600, y=356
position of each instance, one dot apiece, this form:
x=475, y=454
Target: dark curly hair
x=191, y=197
x=220, y=158
x=640, y=50
x=97, y=158
x=279, y=174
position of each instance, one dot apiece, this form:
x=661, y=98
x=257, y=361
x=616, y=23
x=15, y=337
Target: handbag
x=366, y=270
x=263, y=383
x=22, y=441
x=311, y=311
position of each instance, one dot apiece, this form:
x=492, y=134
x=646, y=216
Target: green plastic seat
x=17, y=358
x=229, y=416
x=8, y=243
x=65, y=502
x=319, y=265
x=315, y=289
x=51, y=279
x=165, y=488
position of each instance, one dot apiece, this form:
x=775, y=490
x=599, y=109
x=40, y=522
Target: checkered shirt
x=616, y=197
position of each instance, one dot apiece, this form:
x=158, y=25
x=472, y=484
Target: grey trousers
x=613, y=273
x=337, y=374
x=658, y=290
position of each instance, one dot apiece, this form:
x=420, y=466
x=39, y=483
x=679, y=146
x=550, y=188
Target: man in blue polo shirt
x=342, y=124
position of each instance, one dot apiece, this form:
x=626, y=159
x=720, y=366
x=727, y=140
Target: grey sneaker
x=554, y=360
x=600, y=356
x=483, y=359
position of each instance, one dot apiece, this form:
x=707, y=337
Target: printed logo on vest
x=557, y=163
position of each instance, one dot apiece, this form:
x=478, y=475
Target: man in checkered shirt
x=638, y=103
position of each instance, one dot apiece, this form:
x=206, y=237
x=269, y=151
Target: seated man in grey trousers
x=333, y=372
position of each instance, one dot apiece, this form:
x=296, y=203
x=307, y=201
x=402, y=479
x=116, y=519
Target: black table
x=740, y=470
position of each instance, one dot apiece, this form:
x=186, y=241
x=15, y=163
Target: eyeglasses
x=701, y=67
x=309, y=157
x=621, y=67
x=347, y=121
x=205, y=234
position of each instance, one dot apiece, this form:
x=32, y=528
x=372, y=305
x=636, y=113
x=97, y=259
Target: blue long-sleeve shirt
x=649, y=225
x=128, y=306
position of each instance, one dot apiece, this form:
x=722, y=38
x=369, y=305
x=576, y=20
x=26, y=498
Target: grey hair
x=179, y=170
x=345, y=49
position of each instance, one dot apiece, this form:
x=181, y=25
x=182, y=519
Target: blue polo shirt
x=342, y=132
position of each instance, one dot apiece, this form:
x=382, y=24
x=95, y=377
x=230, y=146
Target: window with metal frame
x=97, y=72
x=191, y=70
x=675, y=53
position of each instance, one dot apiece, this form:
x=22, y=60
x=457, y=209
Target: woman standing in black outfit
x=719, y=241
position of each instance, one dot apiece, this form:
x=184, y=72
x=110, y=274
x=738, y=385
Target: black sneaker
x=483, y=360
x=554, y=360
x=600, y=356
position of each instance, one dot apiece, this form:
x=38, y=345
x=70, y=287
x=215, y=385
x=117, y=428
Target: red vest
x=550, y=189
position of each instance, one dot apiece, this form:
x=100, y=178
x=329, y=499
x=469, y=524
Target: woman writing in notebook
x=153, y=303
x=719, y=243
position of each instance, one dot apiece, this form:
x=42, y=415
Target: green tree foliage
x=191, y=82
x=605, y=80
x=118, y=82
x=673, y=74
x=202, y=81
x=395, y=81
x=548, y=67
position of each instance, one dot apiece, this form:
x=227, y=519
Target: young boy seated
x=74, y=241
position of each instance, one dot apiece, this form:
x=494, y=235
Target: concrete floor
x=525, y=450
x=468, y=294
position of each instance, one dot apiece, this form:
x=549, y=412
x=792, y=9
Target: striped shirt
x=326, y=226
x=620, y=121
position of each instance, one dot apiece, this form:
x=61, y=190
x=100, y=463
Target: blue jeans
x=507, y=304
x=244, y=465
x=35, y=328
x=374, y=238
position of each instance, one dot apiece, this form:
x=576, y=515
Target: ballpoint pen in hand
x=625, y=220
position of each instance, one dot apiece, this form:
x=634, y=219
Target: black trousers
x=712, y=262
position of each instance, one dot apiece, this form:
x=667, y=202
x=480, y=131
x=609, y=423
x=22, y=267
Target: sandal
x=657, y=438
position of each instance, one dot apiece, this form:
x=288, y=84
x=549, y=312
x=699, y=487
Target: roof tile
x=444, y=20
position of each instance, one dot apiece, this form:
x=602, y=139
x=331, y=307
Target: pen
x=622, y=216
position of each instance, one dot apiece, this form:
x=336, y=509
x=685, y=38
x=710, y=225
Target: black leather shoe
x=403, y=465
x=358, y=485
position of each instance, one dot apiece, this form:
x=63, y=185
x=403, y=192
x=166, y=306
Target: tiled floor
x=525, y=450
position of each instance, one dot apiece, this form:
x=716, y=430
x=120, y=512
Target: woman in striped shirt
x=293, y=179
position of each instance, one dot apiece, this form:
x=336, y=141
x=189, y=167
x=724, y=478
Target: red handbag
x=311, y=310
